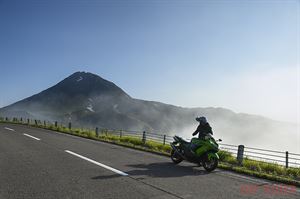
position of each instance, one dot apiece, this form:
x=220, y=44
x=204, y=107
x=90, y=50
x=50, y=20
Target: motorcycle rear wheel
x=210, y=165
x=175, y=157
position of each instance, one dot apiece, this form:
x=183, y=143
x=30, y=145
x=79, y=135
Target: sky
x=236, y=54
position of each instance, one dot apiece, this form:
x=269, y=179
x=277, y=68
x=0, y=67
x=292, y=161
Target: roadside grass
x=266, y=170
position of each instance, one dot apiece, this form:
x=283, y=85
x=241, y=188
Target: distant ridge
x=88, y=100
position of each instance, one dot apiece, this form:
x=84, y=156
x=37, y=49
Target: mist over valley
x=87, y=100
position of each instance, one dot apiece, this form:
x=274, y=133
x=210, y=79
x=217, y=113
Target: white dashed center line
x=9, y=129
x=97, y=163
x=31, y=136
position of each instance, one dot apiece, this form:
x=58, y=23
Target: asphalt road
x=36, y=163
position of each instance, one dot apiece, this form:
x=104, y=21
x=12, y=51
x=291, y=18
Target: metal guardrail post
x=240, y=154
x=144, y=137
x=97, y=131
x=286, y=159
x=164, y=139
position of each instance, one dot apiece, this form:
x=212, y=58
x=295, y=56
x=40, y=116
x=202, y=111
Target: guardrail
x=240, y=151
x=280, y=157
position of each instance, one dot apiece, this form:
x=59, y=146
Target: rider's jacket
x=203, y=130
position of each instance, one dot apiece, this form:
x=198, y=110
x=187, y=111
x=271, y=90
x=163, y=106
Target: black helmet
x=201, y=119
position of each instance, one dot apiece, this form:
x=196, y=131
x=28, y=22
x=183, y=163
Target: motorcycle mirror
x=220, y=140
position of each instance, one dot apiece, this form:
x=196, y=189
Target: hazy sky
x=241, y=55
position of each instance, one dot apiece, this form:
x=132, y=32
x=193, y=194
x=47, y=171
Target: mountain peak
x=86, y=83
x=80, y=75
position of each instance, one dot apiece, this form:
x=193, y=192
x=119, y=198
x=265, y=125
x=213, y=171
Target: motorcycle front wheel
x=175, y=157
x=210, y=164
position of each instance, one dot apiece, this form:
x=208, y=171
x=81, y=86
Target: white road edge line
x=31, y=136
x=9, y=129
x=97, y=163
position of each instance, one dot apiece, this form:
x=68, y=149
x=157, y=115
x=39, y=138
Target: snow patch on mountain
x=90, y=108
x=79, y=79
x=116, y=108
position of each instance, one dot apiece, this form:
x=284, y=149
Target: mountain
x=88, y=100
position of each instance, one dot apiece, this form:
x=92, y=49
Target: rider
x=203, y=129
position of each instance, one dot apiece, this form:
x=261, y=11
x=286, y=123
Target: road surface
x=37, y=163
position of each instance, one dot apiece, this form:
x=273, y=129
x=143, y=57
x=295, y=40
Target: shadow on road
x=159, y=170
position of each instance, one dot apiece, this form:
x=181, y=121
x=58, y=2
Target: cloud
x=273, y=93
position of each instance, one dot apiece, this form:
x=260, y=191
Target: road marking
x=9, y=129
x=97, y=163
x=31, y=136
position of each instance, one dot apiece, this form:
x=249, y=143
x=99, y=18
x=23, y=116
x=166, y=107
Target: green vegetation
x=271, y=171
x=273, y=177
x=227, y=157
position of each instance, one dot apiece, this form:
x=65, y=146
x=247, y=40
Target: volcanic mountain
x=88, y=100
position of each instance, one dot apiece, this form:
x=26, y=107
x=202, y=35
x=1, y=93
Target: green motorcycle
x=205, y=153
